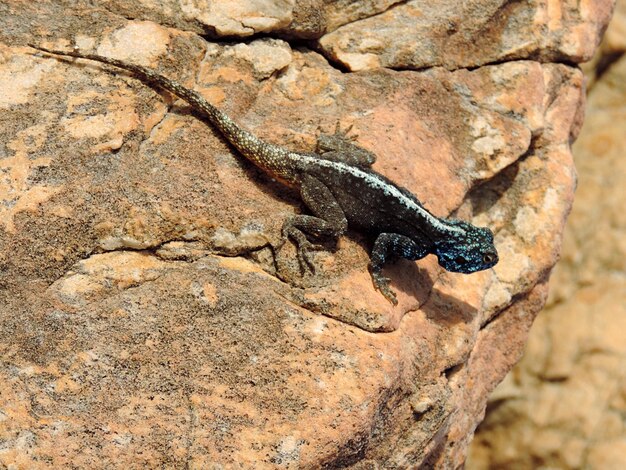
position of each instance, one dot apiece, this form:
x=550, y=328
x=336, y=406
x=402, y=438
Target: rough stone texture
x=564, y=405
x=453, y=34
x=303, y=19
x=147, y=315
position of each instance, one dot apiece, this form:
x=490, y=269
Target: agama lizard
x=341, y=189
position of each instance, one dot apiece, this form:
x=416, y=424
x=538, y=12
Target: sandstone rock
x=307, y=19
x=422, y=33
x=563, y=406
x=223, y=18
x=148, y=316
x=615, y=38
x=564, y=401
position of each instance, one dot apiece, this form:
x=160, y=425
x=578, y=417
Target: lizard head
x=466, y=249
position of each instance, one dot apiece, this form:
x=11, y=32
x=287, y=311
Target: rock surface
x=564, y=405
x=147, y=315
x=452, y=34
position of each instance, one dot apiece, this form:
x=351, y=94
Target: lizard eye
x=489, y=258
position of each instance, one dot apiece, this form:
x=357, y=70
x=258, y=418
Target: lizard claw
x=303, y=249
x=343, y=134
x=382, y=284
x=304, y=257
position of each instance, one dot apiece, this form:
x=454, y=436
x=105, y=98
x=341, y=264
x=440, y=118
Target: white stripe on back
x=373, y=181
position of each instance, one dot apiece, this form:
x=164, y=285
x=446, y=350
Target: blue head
x=466, y=248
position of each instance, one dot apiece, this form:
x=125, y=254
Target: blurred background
x=564, y=405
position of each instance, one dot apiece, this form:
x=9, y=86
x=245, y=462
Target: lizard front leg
x=328, y=219
x=386, y=246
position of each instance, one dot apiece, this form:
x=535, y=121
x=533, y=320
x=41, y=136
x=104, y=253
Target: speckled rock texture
x=149, y=316
x=564, y=405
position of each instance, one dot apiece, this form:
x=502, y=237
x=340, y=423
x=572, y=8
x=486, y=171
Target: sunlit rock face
x=149, y=315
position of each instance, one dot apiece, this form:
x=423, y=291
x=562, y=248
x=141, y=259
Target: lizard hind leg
x=340, y=147
x=327, y=220
x=386, y=246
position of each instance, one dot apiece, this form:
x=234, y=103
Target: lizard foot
x=303, y=248
x=305, y=260
x=345, y=134
x=382, y=284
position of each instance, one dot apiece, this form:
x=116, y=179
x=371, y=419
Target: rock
x=615, y=38
x=563, y=405
x=149, y=315
x=422, y=33
x=304, y=19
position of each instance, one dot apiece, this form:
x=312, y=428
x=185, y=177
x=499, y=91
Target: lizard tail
x=269, y=157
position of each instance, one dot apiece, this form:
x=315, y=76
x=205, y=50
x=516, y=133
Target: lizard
x=341, y=189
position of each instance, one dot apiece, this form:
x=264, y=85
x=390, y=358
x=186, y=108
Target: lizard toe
x=382, y=284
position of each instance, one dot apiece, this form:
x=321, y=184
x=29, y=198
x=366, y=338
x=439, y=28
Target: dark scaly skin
x=340, y=188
